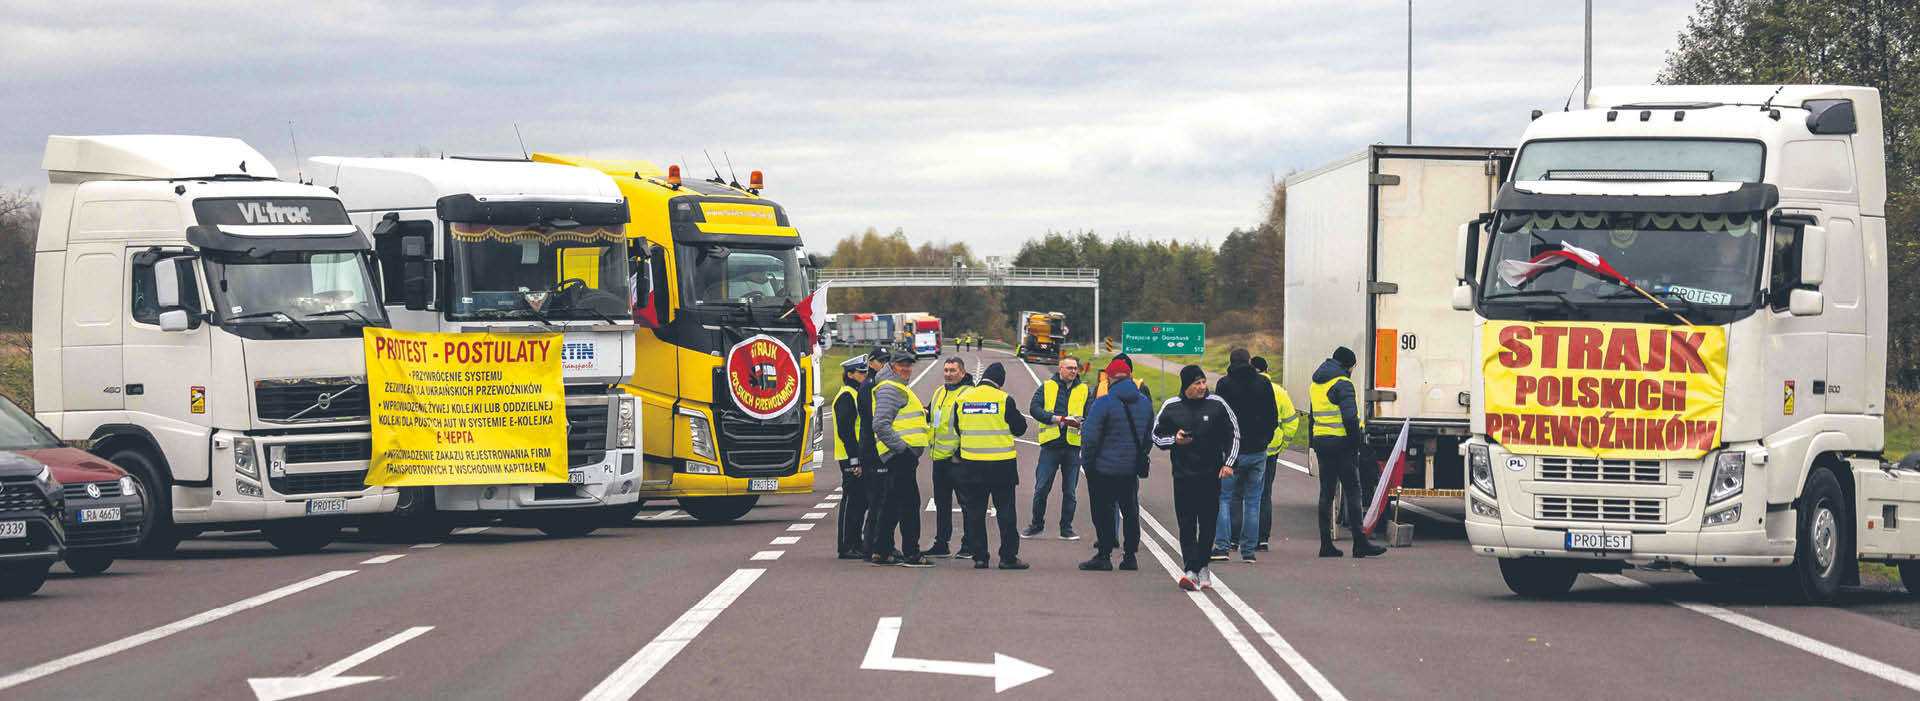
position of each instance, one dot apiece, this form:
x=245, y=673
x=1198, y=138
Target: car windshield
x=18, y=431
x=733, y=275
x=1641, y=159
x=538, y=271
x=324, y=286
x=1704, y=260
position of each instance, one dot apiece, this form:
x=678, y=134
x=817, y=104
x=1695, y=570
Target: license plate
x=327, y=506
x=13, y=529
x=109, y=513
x=767, y=484
x=576, y=478
x=1596, y=540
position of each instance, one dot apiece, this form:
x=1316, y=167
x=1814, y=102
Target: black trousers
x=1111, y=494
x=853, y=512
x=1338, y=467
x=1196, y=505
x=898, y=504
x=944, y=492
x=973, y=504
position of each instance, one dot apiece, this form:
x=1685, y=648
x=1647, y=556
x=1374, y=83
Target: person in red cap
x=1115, y=441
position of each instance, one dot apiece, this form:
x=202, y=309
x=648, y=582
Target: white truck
x=197, y=321
x=1680, y=301
x=1363, y=234
x=511, y=246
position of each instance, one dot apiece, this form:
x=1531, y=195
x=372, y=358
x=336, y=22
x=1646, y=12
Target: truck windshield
x=1641, y=159
x=538, y=271
x=735, y=275
x=1563, y=258
x=18, y=431
x=293, y=289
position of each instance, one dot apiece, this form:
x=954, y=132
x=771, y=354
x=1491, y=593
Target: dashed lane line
x=785, y=540
x=768, y=555
x=382, y=559
x=425, y=546
x=800, y=527
x=1296, y=467
x=824, y=505
x=814, y=515
x=476, y=530
x=627, y=680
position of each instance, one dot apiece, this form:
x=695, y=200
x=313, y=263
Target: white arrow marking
x=1006, y=672
x=328, y=678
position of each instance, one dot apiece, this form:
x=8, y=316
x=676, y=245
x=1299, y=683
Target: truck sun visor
x=1749, y=197
x=471, y=209
x=338, y=238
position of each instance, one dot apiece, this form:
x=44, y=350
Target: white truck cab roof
x=370, y=184
x=152, y=157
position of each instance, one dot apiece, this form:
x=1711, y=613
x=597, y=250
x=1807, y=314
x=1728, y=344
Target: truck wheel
x=301, y=536
x=88, y=564
x=1910, y=577
x=158, y=534
x=1825, y=546
x=569, y=525
x=414, y=519
x=718, y=509
x=22, y=580
x=1538, y=578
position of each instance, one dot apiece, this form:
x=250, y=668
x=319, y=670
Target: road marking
x=785, y=540
x=152, y=634
x=471, y=531
x=1429, y=513
x=639, y=669
x=328, y=678
x=836, y=489
x=824, y=505
x=1297, y=467
x=1030, y=373
x=800, y=527
x=768, y=555
x=812, y=515
x=426, y=546
x=1269, y=677
x=1006, y=671
x=667, y=515
x=833, y=497
x=923, y=373
x=1831, y=653
x=381, y=560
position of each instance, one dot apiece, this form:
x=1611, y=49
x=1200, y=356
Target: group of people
x=1224, y=442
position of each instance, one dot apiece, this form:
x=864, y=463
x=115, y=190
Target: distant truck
x=1040, y=336
x=866, y=329
x=1363, y=233
x=926, y=336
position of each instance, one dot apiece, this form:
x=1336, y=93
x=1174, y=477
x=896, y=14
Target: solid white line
x=470, y=531
x=1269, y=677
x=823, y=505
x=800, y=527
x=1831, y=653
x=1308, y=673
x=785, y=540
x=1297, y=467
x=1429, y=513
x=372, y=651
x=639, y=669
x=768, y=555
x=381, y=560
x=1030, y=373
x=152, y=634
x=426, y=546
x=814, y=515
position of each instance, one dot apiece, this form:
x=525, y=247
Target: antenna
x=298, y=175
x=1576, y=86
x=716, y=169
x=730, y=174
x=1769, y=102
x=522, y=140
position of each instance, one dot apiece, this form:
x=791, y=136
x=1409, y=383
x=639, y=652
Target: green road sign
x=1160, y=338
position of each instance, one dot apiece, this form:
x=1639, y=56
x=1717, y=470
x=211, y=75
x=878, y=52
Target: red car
x=104, y=507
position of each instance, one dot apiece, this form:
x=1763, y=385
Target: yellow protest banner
x=1604, y=390
x=465, y=408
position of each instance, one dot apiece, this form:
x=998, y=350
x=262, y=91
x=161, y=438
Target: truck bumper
x=686, y=485
x=604, y=485
x=1744, y=545
x=298, y=469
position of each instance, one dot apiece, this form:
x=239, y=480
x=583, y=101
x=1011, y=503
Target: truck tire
x=301, y=536
x=1910, y=577
x=414, y=519
x=718, y=509
x=1825, y=547
x=159, y=536
x=22, y=580
x=88, y=564
x=1538, y=578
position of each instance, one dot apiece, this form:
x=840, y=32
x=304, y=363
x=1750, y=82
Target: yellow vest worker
x=1076, y=406
x=1326, y=414
x=910, y=424
x=839, y=444
x=1289, y=421
x=988, y=468
x=946, y=438
x=981, y=423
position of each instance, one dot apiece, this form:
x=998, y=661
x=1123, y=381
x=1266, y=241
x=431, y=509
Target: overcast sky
x=984, y=122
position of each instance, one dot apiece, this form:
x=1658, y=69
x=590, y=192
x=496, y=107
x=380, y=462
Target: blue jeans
x=1242, y=492
x=1065, y=460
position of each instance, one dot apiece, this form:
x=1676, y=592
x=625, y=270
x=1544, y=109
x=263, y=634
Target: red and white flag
x=1390, y=476
x=813, y=313
x=1518, y=272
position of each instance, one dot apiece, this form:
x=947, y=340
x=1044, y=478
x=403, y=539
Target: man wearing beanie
x=1114, y=446
x=1338, y=438
x=1250, y=396
x=1199, y=430
x=988, y=466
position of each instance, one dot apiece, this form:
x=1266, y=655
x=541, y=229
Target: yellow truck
x=1040, y=336
x=723, y=360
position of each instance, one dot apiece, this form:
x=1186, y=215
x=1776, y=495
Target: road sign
x=1163, y=338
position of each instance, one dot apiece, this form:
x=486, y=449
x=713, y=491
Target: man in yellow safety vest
x=989, y=466
x=946, y=444
x=1338, y=438
x=900, y=435
x=846, y=451
x=1060, y=404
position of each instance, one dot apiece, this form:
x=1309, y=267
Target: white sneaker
x=1187, y=581
x=1206, y=579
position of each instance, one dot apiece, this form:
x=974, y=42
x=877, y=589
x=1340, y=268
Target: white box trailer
x=1366, y=237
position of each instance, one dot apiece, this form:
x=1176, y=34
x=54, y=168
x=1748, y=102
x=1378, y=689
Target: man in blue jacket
x=1115, y=440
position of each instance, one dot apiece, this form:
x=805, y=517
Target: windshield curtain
x=1706, y=260
x=720, y=274
x=1724, y=160
x=320, y=285
x=584, y=269
x=18, y=431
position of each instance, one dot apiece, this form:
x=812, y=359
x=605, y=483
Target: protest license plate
x=13, y=529
x=108, y=513
x=1596, y=540
x=764, y=484
x=576, y=478
x=327, y=506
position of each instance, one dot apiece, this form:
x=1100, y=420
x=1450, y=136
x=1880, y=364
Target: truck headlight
x=625, y=433
x=700, y=434
x=128, y=487
x=1480, y=469
x=244, y=459
x=1729, y=476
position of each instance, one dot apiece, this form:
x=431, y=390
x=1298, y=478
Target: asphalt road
x=669, y=608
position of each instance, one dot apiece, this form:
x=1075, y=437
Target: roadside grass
x=16, y=369
x=1903, y=423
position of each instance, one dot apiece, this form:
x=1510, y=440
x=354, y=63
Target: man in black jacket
x=988, y=468
x=1250, y=395
x=1199, y=430
x=1339, y=438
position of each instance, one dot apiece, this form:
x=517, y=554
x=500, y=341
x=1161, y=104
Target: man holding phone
x=1200, y=431
x=1060, y=404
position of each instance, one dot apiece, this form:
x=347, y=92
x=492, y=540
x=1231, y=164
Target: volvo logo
x=93, y=491
x=323, y=402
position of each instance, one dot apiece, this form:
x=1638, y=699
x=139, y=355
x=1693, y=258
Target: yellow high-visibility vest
x=839, y=446
x=1326, y=414
x=910, y=424
x=1289, y=421
x=981, y=417
x=1076, y=406
x=946, y=438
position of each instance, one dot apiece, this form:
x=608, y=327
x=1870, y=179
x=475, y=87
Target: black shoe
x=1068, y=534
x=1327, y=550
x=851, y=555
x=1218, y=556
x=1248, y=558
x=964, y=554
x=1014, y=564
x=881, y=560
x=1129, y=563
x=1097, y=564
x=918, y=561
x=1366, y=549
x=938, y=550
x=979, y=564
x=1030, y=531
x=1263, y=547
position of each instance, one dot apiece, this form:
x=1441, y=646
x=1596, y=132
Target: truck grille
x=283, y=400
x=22, y=495
x=77, y=491
x=586, y=434
x=1600, y=509
x=344, y=451
x=754, y=448
x=1588, y=470
x=352, y=481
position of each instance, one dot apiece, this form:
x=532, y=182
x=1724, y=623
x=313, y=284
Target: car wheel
x=1538, y=578
x=1825, y=545
x=88, y=564
x=718, y=509
x=300, y=536
x=23, y=580
x=159, y=537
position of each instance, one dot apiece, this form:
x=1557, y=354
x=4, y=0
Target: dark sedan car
x=104, y=507
x=31, y=535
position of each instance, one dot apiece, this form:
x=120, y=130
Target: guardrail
x=961, y=277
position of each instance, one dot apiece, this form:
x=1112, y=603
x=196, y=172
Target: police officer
x=846, y=450
x=1338, y=440
x=946, y=443
x=989, y=467
x=900, y=436
x=1060, y=404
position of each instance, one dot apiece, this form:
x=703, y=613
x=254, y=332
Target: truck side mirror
x=174, y=319
x=1804, y=302
x=1466, y=250
x=1813, y=255
x=166, y=285
x=1463, y=297
x=416, y=272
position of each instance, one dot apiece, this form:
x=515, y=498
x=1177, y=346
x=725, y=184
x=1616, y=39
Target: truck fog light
x=246, y=489
x=489, y=492
x=244, y=457
x=701, y=468
x=625, y=437
x=1481, y=508
x=1729, y=476
x=1723, y=517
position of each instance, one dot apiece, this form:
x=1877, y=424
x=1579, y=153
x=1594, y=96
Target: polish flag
x=1518, y=272
x=642, y=303
x=1396, y=469
x=813, y=313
